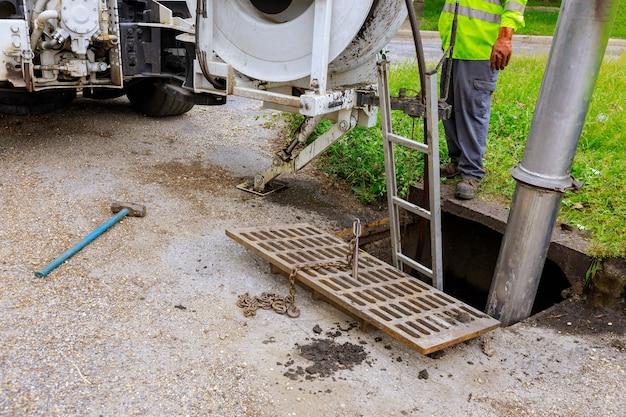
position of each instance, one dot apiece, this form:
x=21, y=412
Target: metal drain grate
x=422, y=317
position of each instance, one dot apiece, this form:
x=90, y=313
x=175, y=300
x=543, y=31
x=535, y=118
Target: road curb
x=531, y=39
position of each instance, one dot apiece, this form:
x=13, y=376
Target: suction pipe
x=40, y=24
x=544, y=174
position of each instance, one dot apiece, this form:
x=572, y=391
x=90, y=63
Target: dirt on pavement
x=574, y=317
x=327, y=357
x=143, y=322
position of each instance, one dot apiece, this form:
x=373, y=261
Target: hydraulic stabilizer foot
x=285, y=162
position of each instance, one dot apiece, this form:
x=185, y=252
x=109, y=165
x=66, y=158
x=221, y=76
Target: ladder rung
x=400, y=140
x=415, y=265
x=415, y=209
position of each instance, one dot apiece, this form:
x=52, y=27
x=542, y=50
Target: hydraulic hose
x=422, y=225
x=419, y=47
x=201, y=55
x=40, y=24
x=38, y=8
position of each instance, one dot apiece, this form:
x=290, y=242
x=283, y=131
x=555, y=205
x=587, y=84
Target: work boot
x=450, y=170
x=467, y=188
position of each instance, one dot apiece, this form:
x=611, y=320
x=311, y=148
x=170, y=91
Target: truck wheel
x=23, y=103
x=155, y=98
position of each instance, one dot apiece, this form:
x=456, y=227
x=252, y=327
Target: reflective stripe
x=473, y=13
x=515, y=6
x=498, y=2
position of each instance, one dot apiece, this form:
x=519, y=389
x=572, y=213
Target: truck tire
x=23, y=103
x=154, y=99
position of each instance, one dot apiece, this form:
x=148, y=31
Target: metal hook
x=356, y=231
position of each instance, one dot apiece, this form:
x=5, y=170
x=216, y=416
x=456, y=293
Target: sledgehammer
x=120, y=210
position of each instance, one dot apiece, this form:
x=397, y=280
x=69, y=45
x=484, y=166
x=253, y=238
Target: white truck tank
x=272, y=40
x=271, y=50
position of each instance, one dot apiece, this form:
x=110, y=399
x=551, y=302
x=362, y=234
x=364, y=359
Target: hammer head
x=134, y=210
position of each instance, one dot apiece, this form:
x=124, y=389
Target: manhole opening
x=470, y=253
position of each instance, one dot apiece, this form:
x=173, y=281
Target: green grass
x=546, y=3
x=599, y=208
x=538, y=22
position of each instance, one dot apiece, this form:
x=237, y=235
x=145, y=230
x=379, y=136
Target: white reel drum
x=272, y=40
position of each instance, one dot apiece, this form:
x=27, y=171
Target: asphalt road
x=401, y=47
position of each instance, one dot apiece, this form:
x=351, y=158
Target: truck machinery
x=166, y=56
x=318, y=58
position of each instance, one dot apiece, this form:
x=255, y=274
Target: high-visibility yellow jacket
x=478, y=25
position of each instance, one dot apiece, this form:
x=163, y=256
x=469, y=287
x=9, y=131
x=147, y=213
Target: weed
x=591, y=272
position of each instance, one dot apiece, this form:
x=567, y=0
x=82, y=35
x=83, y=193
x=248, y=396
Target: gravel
x=144, y=322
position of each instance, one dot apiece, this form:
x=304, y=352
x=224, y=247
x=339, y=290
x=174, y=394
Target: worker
x=483, y=48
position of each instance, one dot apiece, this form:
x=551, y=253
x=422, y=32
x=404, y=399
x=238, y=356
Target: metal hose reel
x=273, y=40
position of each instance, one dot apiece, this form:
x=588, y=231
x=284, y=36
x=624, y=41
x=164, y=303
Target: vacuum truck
x=318, y=58
x=307, y=56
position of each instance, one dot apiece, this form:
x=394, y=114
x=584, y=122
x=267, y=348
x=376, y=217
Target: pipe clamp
x=534, y=179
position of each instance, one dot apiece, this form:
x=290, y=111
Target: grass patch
x=538, y=22
x=599, y=208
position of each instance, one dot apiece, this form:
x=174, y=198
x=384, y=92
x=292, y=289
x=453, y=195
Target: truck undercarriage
x=54, y=49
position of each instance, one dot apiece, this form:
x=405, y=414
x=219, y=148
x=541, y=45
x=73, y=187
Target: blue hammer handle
x=80, y=245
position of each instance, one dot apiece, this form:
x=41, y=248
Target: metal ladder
x=431, y=148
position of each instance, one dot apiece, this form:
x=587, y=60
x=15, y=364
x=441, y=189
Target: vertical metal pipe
x=544, y=174
x=432, y=133
x=321, y=44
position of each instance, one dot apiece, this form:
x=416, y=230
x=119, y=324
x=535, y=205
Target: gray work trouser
x=471, y=87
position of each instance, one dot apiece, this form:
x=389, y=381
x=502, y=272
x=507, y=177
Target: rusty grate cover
x=422, y=317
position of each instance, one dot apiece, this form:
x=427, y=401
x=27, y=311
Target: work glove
x=502, y=49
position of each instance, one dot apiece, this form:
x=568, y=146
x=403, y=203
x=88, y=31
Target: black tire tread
x=23, y=103
x=152, y=98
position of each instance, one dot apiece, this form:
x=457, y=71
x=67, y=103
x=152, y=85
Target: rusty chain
x=287, y=304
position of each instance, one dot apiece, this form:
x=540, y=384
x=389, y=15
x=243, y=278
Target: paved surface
x=144, y=323
x=401, y=47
